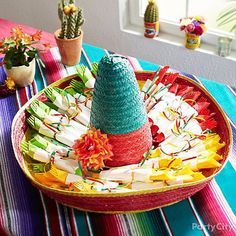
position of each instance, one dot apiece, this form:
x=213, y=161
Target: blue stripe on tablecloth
x=25, y=216
x=181, y=219
x=94, y=54
x=228, y=173
x=148, y=65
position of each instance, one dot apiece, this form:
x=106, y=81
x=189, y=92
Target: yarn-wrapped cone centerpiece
x=118, y=111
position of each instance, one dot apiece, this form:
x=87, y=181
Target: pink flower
x=190, y=28
x=198, y=30
x=182, y=27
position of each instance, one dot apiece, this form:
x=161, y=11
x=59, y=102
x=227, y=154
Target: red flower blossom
x=93, y=149
x=158, y=137
x=190, y=28
x=198, y=30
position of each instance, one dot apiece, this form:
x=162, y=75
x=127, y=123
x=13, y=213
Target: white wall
x=103, y=28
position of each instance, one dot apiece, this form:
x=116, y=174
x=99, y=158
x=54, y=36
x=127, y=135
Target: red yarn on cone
x=129, y=148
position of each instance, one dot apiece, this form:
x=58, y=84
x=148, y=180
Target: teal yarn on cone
x=117, y=106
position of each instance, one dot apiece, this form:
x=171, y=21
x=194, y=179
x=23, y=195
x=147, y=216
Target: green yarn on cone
x=117, y=106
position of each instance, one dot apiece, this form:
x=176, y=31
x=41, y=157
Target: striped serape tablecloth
x=26, y=211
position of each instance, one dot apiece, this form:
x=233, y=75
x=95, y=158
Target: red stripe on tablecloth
x=52, y=70
x=53, y=216
x=3, y=232
x=35, y=89
x=23, y=96
x=106, y=224
x=212, y=212
x=72, y=222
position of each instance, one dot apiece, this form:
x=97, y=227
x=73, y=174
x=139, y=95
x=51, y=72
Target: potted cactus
x=69, y=37
x=151, y=20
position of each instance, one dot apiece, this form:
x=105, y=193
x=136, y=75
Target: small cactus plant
x=71, y=18
x=151, y=13
x=151, y=20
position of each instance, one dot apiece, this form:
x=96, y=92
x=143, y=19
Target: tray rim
x=130, y=193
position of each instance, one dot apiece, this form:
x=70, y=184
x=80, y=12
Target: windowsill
x=177, y=41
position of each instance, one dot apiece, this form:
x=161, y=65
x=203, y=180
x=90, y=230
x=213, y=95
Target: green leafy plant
x=71, y=18
x=151, y=14
x=227, y=18
x=19, y=49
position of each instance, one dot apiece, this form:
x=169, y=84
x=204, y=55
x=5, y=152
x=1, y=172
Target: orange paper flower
x=93, y=149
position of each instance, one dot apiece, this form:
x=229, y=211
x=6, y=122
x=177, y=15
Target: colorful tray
x=136, y=201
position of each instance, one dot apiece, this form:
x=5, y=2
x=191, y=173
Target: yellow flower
x=66, y=10
x=73, y=8
x=10, y=83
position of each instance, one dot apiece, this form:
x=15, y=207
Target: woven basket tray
x=136, y=201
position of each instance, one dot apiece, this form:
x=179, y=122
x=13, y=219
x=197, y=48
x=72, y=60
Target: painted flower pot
x=70, y=49
x=192, y=41
x=22, y=75
x=151, y=29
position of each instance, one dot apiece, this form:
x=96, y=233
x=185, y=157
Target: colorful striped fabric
x=26, y=211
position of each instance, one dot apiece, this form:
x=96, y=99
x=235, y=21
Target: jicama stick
x=42, y=155
x=68, y=103
x=130, y=173
x=146, y=186
x=79, y=98
x=57, y=120
x=50, y=132
x=51, y=146
x=86, y=75
x=55, y=178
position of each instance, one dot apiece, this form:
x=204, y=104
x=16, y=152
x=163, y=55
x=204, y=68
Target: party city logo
x=211, y=228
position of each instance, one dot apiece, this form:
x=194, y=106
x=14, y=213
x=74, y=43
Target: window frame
x=210, y=37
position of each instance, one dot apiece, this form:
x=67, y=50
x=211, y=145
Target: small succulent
x=21, y=48
x=71, y=18
x=151, y=14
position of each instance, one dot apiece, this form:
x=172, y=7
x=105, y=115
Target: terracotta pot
x=192, y=41
x=151, y=29
x=22, y=75
x=70, y=49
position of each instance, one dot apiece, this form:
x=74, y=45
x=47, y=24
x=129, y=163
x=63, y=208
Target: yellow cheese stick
x=181, y=179
x=202, y=163
x=161, y=175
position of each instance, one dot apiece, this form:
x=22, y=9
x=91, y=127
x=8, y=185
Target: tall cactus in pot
x=151, y=20
x=71, y=18
x=70, y=33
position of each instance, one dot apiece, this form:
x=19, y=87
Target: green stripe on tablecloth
x=181, y=219
x=38, y=79
x=228, y=187
x=148, y=223
x=81, y=223
x=223, y=96
x=94, y=54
